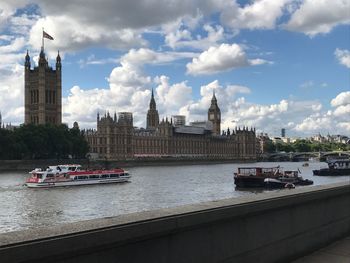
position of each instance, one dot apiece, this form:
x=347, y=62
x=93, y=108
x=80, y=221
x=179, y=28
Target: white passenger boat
x=71, y=174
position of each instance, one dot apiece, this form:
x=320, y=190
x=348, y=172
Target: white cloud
x=110, y=14
x=172, y=97
x=7, y=9
x=222, y=58
x=314, y=124
x=341, y=99
x=333, y=121
x=181, y=38
x=260, y=14
x=142, y=56
x=343, y=110
x=74, y=36
x=319, y=16
x=11, y=90
x=343, y=56
x=129, y=90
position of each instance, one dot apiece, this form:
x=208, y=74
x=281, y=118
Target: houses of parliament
x=116, y=138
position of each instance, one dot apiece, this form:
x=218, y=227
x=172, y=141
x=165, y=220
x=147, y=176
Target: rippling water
x=150, y=188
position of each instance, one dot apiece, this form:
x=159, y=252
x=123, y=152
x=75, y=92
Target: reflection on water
x=150, y=188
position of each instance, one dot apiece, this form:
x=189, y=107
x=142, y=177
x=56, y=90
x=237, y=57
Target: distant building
x=263, y=139
x=283, y=132
x=116, y=138
x=42, y=91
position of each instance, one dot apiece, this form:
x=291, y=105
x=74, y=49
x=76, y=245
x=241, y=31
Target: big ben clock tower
x=214, y=115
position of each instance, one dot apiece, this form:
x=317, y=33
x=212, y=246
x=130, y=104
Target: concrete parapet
x=278, y=226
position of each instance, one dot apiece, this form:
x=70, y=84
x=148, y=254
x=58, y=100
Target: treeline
x=42, y=142
x=305, y=146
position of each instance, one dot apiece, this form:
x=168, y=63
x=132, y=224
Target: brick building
x=117, y=139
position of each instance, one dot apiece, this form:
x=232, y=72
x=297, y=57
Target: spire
x=42, y=59
x=152, y=114
x=58, y=58
x=42, y=53
x=152, y=103
x=27, y=56
x=27, y=60
x=213, y=99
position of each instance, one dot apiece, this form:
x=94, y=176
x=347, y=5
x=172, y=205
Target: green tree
x=302, y=146
x=42, y=141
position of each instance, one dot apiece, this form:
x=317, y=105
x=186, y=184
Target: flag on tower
x=46, y=35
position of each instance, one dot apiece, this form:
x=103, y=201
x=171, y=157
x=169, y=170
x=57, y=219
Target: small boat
x=255, y=176
x=71, y=174
x=305, y=164
x=274, y=177
x=274, y=183
x=335, y=168
x=294, y=177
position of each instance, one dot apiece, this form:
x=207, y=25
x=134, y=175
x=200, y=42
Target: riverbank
x=25, y=165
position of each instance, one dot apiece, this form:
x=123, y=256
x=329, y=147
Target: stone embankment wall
x=271, y=227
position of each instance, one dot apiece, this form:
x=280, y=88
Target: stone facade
x=42, y=91
x=117, y=139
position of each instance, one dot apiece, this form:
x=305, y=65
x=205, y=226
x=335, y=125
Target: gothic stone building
x=42, y=91
x=117, y=139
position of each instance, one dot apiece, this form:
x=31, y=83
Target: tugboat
x=71, y=174
x=271, y=178
x=255, y=176
x=335, y=168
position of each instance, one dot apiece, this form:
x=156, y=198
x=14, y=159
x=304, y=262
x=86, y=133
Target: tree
x=41, y=142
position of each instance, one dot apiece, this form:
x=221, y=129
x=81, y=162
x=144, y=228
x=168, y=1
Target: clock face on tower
x=211, y=116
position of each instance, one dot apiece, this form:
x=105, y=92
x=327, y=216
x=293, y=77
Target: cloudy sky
x=272, y=63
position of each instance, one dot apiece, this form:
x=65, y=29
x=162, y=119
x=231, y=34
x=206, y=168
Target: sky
x=272, y=63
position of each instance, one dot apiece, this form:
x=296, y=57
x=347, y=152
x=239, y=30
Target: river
x=151, y=187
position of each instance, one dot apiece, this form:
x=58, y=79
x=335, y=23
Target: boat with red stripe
x=72, y=174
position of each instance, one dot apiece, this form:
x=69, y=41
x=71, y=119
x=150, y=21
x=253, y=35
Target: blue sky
x=272, y=63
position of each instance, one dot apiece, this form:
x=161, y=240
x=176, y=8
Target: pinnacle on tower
x=42, y=53
x=58, y=58
x=27, y=60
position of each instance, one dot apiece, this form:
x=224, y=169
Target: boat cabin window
x=49, y=175
x=82, y=177
x=114, y=175
x=71, y=168
x=39, y=176
x=94, y=176
x=104, y=176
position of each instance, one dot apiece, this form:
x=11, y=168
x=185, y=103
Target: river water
x=150, y=188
